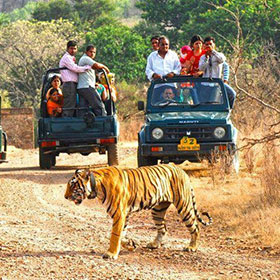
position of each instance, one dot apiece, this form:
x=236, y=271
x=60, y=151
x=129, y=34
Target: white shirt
x=162, y=66
x=86, y=79
x=212, y=66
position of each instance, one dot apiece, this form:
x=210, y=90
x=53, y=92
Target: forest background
x=33, y=38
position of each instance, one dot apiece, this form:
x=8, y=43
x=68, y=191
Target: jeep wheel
x=45, y=160
x=53, y=160
x=145, y=161
x=112, y=154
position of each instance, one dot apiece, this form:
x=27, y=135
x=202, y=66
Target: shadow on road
x=56, y=175
x=55, y=168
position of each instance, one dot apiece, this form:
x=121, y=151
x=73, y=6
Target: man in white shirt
x=86, y=82
x=211, y=63
x=162, y=63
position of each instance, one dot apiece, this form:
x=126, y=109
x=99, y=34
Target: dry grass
x=129, y=129
x=247, y=205
x=270, y=177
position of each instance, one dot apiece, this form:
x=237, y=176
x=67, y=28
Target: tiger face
x=80, y=186
x=76, y=190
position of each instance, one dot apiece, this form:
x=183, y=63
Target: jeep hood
x=189, y=117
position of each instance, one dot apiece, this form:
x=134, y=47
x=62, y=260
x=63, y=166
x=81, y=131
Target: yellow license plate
x=188, y=144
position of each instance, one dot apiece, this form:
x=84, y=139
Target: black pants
x=94, y=100
x=69, y=90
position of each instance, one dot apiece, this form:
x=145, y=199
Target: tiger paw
x=129, y=244
x=154, y=245
x=109, y=255
x=191, y=249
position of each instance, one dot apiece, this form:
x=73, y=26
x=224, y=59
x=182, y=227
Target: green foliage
x=168, y=16
x=90, y=10
x=86, y=14
x=23, y=13
x=5, y=101
x=4, y=19
x=33, y=48
x=147, y=31
x=180, y=20
x=128, y=96
x=122, y=8
x=122, y=50
x=18, y=14
x=54, y=9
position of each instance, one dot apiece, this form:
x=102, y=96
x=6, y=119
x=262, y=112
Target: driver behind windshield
x=169, y=94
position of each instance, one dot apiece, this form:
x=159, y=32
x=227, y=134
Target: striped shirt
x=71, y=75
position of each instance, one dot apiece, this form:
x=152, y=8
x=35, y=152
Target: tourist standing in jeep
x=211, y=63
x=87, y=81
x=70, y=78
x=154, y=42
x=162, y=63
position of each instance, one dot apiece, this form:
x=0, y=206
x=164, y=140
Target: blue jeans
x=231, y=95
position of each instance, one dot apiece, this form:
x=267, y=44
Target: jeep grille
x=200, y=133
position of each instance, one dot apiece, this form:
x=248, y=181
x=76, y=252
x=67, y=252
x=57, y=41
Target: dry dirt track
x=43, y=236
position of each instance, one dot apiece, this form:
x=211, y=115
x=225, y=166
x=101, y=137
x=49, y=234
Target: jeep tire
x=112, y=154
x=53, y=160
x=45, y=160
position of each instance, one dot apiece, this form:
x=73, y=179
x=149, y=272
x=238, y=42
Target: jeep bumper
x=171, y=151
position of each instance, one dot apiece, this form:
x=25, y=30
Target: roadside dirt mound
x=43, y=236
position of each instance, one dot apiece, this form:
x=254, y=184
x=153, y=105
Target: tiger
x=127, y=190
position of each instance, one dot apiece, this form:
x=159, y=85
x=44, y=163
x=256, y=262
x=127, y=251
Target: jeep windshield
x=191, y=92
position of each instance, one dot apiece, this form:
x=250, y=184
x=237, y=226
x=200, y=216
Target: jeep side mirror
x=141, y=105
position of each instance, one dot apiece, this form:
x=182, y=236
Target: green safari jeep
x=186, y=118
x=84, y=133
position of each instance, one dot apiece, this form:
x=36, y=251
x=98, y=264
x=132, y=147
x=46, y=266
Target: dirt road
x=43, y=236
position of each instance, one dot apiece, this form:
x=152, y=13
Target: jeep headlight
x=157, y=133
x=219, y=132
